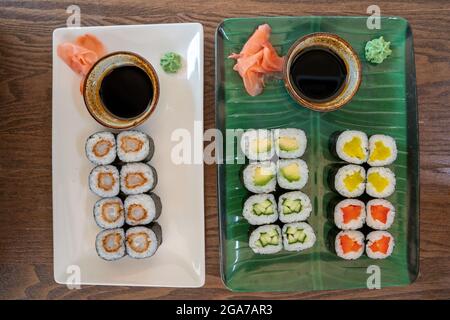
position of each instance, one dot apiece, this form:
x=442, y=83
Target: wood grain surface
x=26, y=254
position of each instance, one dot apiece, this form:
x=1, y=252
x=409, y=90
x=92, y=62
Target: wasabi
x=171, y=62
x=377, y=50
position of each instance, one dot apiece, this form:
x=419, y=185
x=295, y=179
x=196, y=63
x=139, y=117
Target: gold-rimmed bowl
x=343, y=50
x=93, y=81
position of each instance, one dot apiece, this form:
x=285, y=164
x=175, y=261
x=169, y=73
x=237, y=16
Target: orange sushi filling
x=106, y=181
x=139, y=242
x=134, y=180
x=349, y=245
x=381, y=245
x=102, y=147
x=111, y=243
x=379, y=212
x=136, y=212
x=111, y=207
x=350, y=212
x=130, y=144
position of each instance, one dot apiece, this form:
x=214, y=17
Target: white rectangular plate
x=180, y=261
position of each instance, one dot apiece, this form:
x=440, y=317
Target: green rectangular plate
x=385, y=103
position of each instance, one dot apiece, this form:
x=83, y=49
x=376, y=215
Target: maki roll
x=134, y=146
x=258, y=144
x=137, y=178
x=110, y=244
x=290, y=143
x=292, y=174
x=104, y=181
x=349, y=181
x=382, y=150
x=108, y=213
x=298, y=236
x=101, y=148
x=349, y=245
x=352, y=146
x=260, y=209
x=380, y=182
x=141, y=209
x=142, y=242
x=350, y=214
x=260, y=177
x=294, y=206
x=379, y=244
x=380, y=214
x=266, y=239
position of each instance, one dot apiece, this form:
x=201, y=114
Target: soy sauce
x=126, y=91
x=318, y=74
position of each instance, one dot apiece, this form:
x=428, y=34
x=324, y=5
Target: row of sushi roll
x=288, y=172
x=127, y=210
x=350, y=244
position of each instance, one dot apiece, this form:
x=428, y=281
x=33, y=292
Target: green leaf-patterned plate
x=385, y=103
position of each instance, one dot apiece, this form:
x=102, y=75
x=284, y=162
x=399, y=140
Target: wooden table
x=26, y=257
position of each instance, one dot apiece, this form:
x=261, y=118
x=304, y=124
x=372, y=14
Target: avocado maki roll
x=266, y=239
x=294, y=206
x=260, y=209
x=290, y=143
x=110, y=244
x=260, y=177
x=352, y=146
x=104, y=181
x=136, y=178
x=109, y=213
x=380, y=182
x=350, y=214
x=258, y=144
x=382, y=150
x=134, y=146
x=298, y=236
x=101, y=148
x=142, y=242
x=380, y=244
x=292, y=174
x=349, y=244
x=141, y=209
x=349, y=181
x=380, y=214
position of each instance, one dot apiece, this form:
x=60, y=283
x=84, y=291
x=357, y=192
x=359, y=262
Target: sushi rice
x=380, y=244
x=294, y=206
x=290, y=143
x=260, y=177
x=350, y=181
x=260, y=209
x=258, y=144
x=380, y=182
x=134, y=146
x=110, y=244
x=380, y=214
x=298, y=236
x=292, y=174
x=142, y=242
x=104, y=181
x=266, y=239
x=349, y=214
x=382, y=150
x=137, y=178
x=352, y=146
x=109, y=213
x=141, y=209
x=101, y=148
x=349, y=244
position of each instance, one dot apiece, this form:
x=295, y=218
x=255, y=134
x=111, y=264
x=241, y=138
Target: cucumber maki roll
x=258, y=144
x=134, y=146
x=110, y=244
x=101, y=148
x=292, y=174
x=290, y=143
x=109, y=213
x=260, y=177
x=382, y=150
x=380, y=214
x=380, y=244
x=136, y=178
x=260, y=209
x=104, y=181
x=266, y=239
x=349, y=245
x=352, y=146
x=141, y=209
x=350, y=181
x=142, y=242
x=380, y=182
x=350, y=214
x=298, y=236
x=294, y=206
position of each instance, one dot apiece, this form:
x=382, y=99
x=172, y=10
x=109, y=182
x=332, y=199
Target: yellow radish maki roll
x=294, y=206
x=382, y=150
x=349, y=245
x=258, y=144
x=349, y=181
x=101, y=148
x=134, y=146
x=137, y=178
x=260, y=177
x=380, y=214
x=380, y=182
x=298, y=236
x=290, y=143
x=380, y=244
x=260, y=209
x=352, y=146
x=350, y=214
x=109, y=213
x=266, y=239
x=104, y=181
x=110, y=244
x=292, y=174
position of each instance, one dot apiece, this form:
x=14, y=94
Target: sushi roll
x=380, y=244
x=101, y=148
x=350, y=214
x=142, y=242
x=260, y=177
x=104, y=181
x=266, y=239
x=350, y=181
x=141, y=209
x=108, y=213
x=380, y=214
x=134, y=146
x=349, y=244
x=110, y=244
x=290, y=143
x=294, y=206
x=380, y=182
x=382, y=150
x=292, y=174
x=137, y=178
x=260, y=209
x=258, y=144
x=298, y=236
x=352, y=146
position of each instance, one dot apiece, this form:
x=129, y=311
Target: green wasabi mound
x=171, y=62
x=377, y=50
